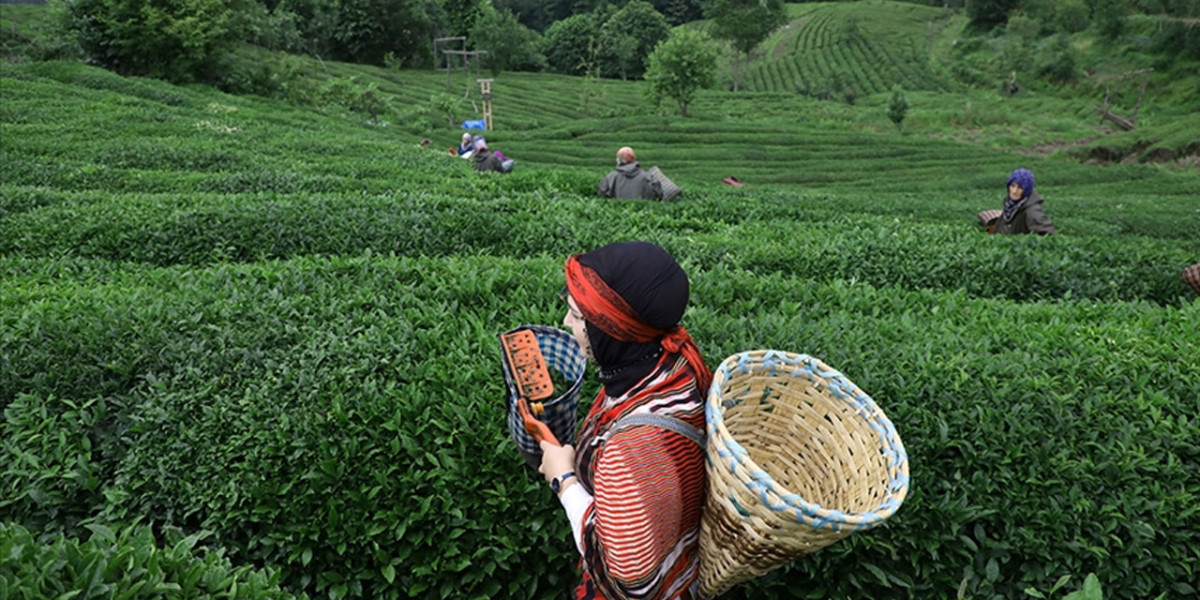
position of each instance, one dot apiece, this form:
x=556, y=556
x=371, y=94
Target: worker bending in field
x=487, y=159
x=466, y=147
x=629, y=180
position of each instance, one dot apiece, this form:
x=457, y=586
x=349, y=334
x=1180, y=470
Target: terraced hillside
x=957, y=145
x=866, y=47
x=782, y=141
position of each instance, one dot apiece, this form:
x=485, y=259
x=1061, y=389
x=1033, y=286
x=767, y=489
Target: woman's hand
x=556, y=460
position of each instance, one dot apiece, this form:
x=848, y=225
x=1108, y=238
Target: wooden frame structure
x=485, y=88
x=471, y=59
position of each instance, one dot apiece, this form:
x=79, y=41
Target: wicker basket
x=798, y=458
x=562, y=354
x=669, y=189
x=1192, y=276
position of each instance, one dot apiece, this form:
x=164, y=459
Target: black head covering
x=655, y=287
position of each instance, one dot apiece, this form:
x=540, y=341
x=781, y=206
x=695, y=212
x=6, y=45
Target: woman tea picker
x=633, y=485
x=1023, y=211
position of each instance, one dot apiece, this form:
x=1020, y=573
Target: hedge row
x=128, y=563
x=810, y=238
x=342, y=419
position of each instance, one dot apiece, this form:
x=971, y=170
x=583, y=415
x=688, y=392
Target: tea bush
x=754, y=233
x=129, y=563
x=347, y=408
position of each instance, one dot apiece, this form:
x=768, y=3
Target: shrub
x=1071, y=16
x=1109, y=16
x=53, y=460
x=897, y=106
x=128, y=564
x=38, y=41
x=342, y=418
x=1059, y=62
x=567, y=44
x=510, y=45
x=681, y=66
x=177, y=41
x=628, y=37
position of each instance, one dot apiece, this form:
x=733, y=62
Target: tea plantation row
x=351, y=416
x=786, y=236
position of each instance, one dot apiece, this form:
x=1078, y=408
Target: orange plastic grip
x=534, y=427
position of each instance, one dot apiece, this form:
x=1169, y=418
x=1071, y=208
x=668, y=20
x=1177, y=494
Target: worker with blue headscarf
x=1023, y=211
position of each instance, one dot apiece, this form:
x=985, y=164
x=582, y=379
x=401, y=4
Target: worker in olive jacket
x=629, y=180
x=1023, y=212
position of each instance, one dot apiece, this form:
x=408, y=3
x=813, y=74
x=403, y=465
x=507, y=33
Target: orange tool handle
x=534, y=427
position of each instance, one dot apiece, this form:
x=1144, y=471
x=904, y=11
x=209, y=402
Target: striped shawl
x=641, y=534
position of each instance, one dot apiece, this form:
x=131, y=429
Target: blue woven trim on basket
x=777, y=363
x=562, y=354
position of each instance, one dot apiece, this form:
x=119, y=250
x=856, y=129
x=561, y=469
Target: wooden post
x=485, y=87
x=439, y=45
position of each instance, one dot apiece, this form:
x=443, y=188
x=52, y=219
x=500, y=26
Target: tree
x=745, y=24
x=1109, y=17
x=510, y=45
x=898, y=107
x=1071, y=16
x=460, y=16
x=637, y=20
x=986, y=14
x=591, y=69
x=623, y=53
x=367, y=30
x=566, y=44
x=681, y=66
x=678, y=12
x=316, y=21
x=174, y=40
x=534, y=14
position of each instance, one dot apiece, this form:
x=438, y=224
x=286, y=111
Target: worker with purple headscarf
x=1023, y=211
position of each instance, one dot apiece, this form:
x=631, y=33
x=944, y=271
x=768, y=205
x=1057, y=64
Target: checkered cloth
x=669, y=189
x=986, y=216
x=1192, y=276
x=562, y=354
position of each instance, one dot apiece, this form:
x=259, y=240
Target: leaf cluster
x=129, y=563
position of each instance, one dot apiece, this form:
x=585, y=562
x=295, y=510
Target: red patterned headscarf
x=610, y=312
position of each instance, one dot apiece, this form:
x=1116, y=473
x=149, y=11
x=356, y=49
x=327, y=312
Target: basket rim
x=730, y=453
x=572, y=393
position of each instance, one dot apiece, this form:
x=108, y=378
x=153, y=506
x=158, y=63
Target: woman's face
x=574, y=321
x=1014, y=191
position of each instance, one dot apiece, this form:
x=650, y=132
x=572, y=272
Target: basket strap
x=664, y=421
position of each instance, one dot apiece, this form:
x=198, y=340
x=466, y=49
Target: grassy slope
x=763, y=137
